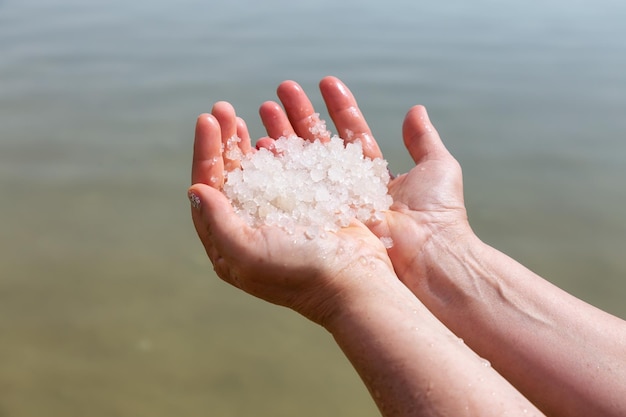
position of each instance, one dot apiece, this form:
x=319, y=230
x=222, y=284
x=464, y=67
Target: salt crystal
x=321, y=186
x=311, y=232
x=317, y=174
x=387, y=242
x=319, y=128
x=322, y=194
x=231, y=150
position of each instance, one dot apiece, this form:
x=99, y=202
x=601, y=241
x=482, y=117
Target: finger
x=227, y=231
x=224, y=112
x=267, y=143
x=244, y=135
x=275, y=120
x=420, y=137
x=300, y=112
x=223, y=233
x=348, y=119
x=201, y=230
x=207, y=166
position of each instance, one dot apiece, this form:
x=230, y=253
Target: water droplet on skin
x=485, y=363
x=362, y=260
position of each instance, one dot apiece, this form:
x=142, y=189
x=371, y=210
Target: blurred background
x=108, y=304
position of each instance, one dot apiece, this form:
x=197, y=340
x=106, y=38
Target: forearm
x=565, y=355
x=413, y=365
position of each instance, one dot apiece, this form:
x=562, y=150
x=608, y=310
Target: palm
x=266, y=261
x=287, y=269
x=283, y=268
x=426, y=199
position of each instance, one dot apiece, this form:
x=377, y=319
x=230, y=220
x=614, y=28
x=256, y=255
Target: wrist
x=349, y=279
x=451, y=260
x=362, y=293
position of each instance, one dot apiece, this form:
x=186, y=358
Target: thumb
x=420, y=137
x=215, y=220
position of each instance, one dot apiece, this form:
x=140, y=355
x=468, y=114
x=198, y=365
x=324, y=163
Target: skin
x=409, y=361
x=563, y=354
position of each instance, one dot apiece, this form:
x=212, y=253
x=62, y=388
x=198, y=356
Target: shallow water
x=108, y=305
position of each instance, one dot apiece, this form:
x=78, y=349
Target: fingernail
x=194, y=199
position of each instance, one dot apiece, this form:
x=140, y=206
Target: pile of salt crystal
x=321, y=186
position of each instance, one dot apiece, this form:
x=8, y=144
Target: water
x=108, y=306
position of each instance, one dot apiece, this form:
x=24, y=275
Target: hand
x=300, y=117
x=315, y=277
x=428, y=200
x=428, y=209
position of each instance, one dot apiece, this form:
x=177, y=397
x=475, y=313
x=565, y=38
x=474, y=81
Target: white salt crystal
x=334, y=173
x=311, y=232
x=387, y=242
x=321, y=186
x=317, y=174
x=285, y=203
x=231, y=150
x=319, y=128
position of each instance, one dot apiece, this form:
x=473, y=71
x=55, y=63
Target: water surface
x=108, y=305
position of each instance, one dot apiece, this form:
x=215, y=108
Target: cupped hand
x=299, y=116
x=428, y=200
x=315, y=277
x=428, y=210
